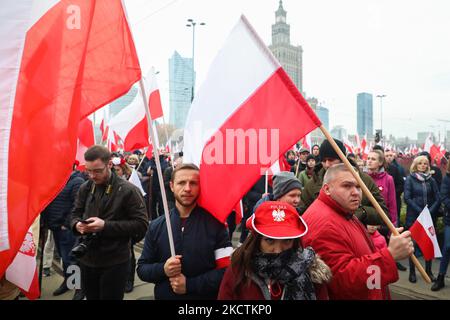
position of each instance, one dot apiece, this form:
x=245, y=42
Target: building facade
x=181, y=83
x=324, y=116
x=288, y=55
x=364, y=114
x=338, y=132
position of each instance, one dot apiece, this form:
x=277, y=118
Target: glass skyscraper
x=364, y=114
x=181, y=82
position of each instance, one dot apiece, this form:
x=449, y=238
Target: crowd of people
x=312, y=235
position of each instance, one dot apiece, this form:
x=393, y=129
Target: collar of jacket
x=334, y=205
x=177, y=213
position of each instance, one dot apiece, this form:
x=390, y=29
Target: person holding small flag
x=421, y=190
x=360, y=271
x=445, y=196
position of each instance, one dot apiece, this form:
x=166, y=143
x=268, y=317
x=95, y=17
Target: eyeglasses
x=95, y=171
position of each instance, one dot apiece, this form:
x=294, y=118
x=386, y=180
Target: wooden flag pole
x=156, y=155
x=369, y=195
x=142, y=159
x=158, y=169
x=296, y=170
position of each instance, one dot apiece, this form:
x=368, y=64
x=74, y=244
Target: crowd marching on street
x=327, y=220
x=313, y=235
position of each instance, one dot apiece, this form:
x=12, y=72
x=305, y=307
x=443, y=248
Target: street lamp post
x=192, y=23
x=381, y=96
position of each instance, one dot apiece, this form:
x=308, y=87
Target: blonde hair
x=134, y=157
x=416, y=162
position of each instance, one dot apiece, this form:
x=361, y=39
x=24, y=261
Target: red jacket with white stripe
x=204, y=245
x=359, y=270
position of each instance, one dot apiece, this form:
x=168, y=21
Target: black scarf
x=289, y=268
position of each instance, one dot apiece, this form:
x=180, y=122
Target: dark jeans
x=64, y=242
x=157, y=205
x=445, y=251
x=104, y=283
x=132, y=264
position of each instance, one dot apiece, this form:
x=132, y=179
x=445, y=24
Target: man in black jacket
x=109, y=211
x=56, y=217
x=202, y=245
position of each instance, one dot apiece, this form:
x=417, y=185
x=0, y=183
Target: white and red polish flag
x=428, y=144
x=154, y=99
x=23, y=270
x=130, y=123
x=104, y=129
x=85, y=140
x=246, y=96
x=306, y=142
x=424, y=233
x=59, y=62
x=348, y=145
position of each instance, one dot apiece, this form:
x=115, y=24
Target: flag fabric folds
x=246, y=114
x=77, y=56
x=424, y=233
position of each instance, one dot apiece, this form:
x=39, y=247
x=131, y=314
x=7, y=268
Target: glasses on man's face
x=94, y=172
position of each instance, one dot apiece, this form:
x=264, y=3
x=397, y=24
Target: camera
x=83, y=245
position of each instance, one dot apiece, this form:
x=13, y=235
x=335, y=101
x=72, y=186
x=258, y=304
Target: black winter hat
x=310, y=157
x=327, y=151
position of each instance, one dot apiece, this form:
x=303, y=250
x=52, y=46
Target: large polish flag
x=246, y=92
x=59, y=62
x=424, y=233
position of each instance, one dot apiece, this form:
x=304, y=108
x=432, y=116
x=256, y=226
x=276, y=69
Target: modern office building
x=181, y=82
x=364, y=114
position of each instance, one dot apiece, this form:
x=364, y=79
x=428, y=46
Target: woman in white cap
x=271, y=264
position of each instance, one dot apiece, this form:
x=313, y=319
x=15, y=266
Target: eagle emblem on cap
x=278, y=215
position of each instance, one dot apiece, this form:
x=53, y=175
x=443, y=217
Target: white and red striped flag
x=23, y=271
x=131, y=123
x=246, y=96
x=424, y=233
x=306, y=142
x=59, y=62
x=154, y=99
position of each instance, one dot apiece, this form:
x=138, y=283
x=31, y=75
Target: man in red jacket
x=359, y=270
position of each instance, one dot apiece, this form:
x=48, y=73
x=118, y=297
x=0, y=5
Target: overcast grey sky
x=400, y=48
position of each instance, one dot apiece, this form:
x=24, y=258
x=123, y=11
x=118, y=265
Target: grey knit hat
x=283, y=182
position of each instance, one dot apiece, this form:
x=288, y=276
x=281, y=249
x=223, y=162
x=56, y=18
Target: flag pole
x=371, y=198
x=296, y=170
x=158, y=168
x=155, y=152
x=267, y=182
x=142, y=159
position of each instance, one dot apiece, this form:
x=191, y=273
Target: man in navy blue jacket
x=201, y=243
x=56, y=216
